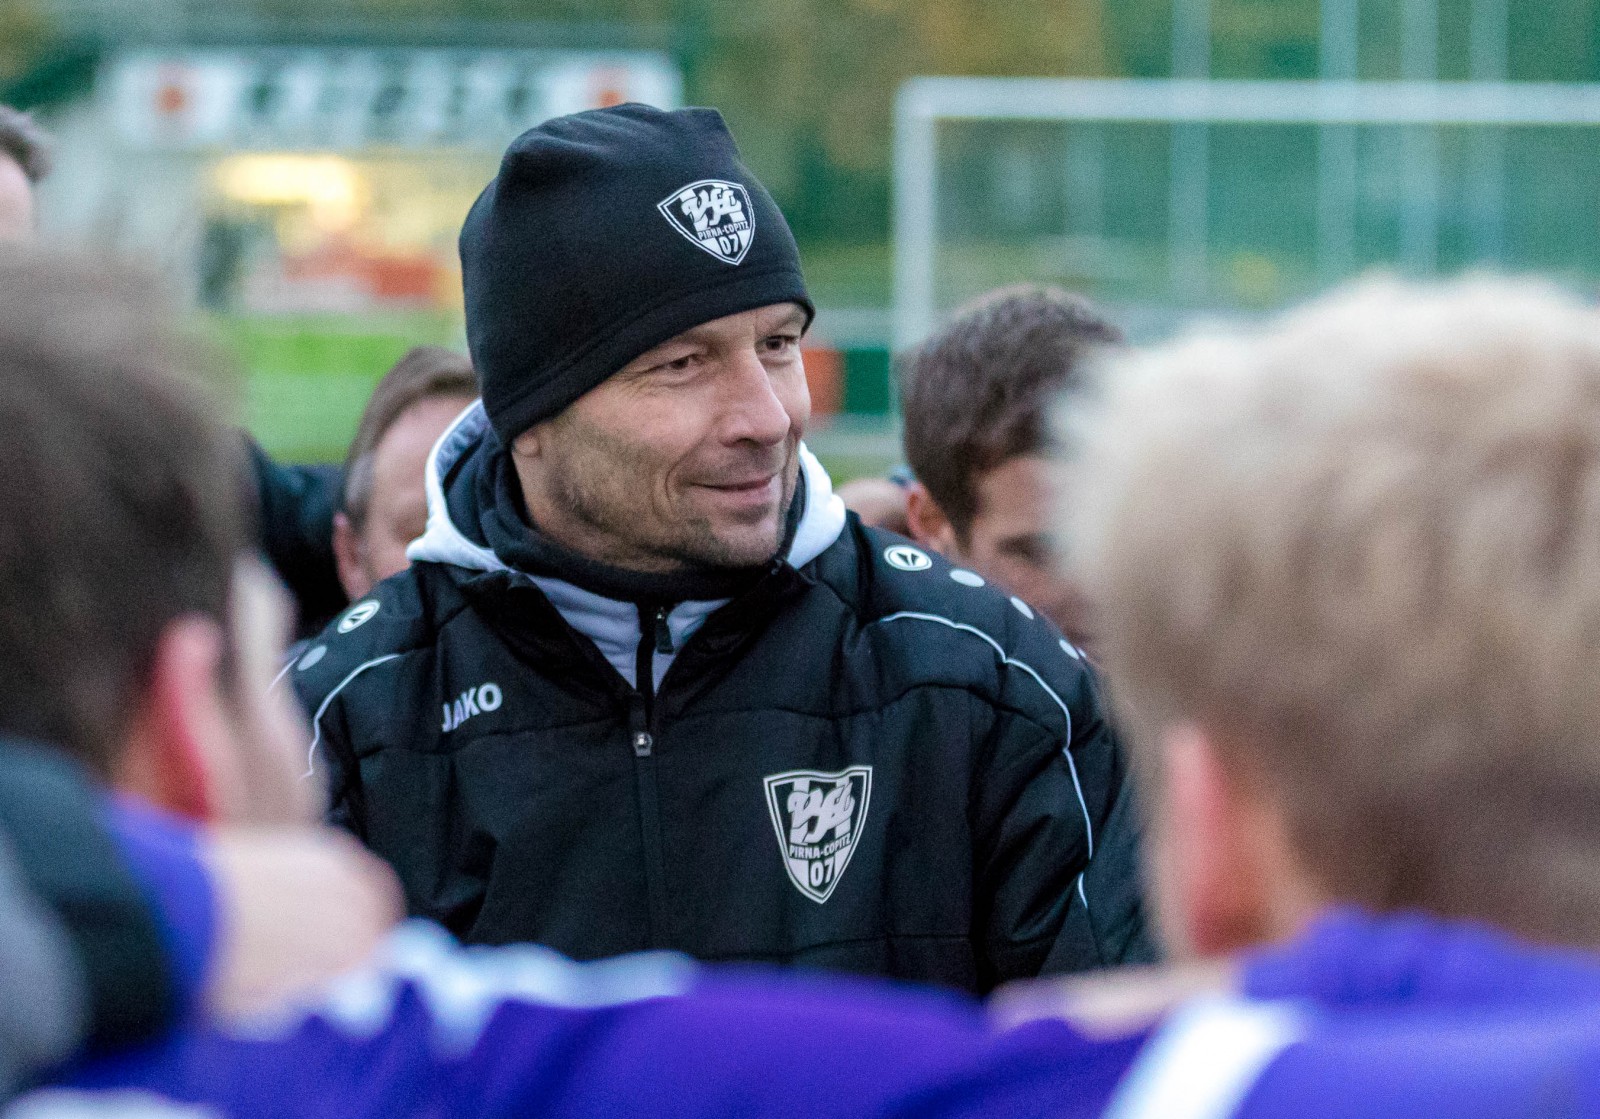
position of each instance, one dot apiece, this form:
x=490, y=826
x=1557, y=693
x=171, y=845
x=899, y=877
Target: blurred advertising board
x=351, y=99
x=315, y=181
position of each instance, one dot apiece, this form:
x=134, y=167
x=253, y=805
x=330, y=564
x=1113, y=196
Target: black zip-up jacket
x=863, y=760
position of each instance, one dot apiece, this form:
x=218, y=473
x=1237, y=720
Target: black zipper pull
x=663, y=630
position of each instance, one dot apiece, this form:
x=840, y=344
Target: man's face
x=397, y=505
x=1009, y=541
x=686, y=458
x=16, y=202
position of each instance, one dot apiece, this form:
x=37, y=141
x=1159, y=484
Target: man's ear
x=1215, y=865
x=528, y=445
x=172, y=757
x=927, y=522
x=348, y=557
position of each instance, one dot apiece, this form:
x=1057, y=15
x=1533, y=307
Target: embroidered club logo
x=818, y=818
x=358, y=615
x=907, y=558
x=714, y=214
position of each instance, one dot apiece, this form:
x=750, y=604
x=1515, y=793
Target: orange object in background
x=403, y=278
x=825, y=379
x=372, y=278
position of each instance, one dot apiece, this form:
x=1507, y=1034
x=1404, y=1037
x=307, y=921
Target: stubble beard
x=594, y=490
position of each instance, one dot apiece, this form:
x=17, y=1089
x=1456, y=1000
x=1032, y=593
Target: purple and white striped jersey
x=1361, y=1017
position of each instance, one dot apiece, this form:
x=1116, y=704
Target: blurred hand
x=296, y=907
x=1115, y=1002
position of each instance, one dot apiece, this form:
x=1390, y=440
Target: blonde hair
x=1361, y=545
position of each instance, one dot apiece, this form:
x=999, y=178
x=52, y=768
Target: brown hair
x=121, y=497
x=25, y=142
x=1361, y=548
x=979, y=392
x=423, y=373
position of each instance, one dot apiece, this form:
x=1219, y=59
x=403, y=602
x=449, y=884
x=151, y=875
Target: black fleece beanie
x=605, y=234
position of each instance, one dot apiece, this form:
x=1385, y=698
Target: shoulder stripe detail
x=282, y=672
x=1203, y=1063
x=462, y=988
x=322, y=709
x=1066, y=750
x=102, y=1103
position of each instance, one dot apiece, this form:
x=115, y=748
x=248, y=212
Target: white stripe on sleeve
x=1203, y=1063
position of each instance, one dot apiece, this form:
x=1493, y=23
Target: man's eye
x=1034, y=551
x=780, y=343
x=676, y=365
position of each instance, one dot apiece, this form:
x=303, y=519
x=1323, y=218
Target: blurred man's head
x=385, y=506
x=135, y=632
x=1348, y=568
x=635, y=307
x=24, y=161
x=977, y=400
x=879, y=502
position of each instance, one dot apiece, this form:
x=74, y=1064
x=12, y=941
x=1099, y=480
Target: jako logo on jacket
x=473, y=701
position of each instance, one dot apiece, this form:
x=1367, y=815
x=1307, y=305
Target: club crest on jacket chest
x=818, y=818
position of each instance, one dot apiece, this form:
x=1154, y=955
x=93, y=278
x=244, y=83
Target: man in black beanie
x=645, y=684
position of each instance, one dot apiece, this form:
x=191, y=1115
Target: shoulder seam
x=322, y=708
x=415, y=644
x=1001, y=655
x=947, y=597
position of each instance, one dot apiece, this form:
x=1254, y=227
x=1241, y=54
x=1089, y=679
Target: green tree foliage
x=25, y=33
x=809, y=86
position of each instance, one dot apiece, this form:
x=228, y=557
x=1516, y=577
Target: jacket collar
x=441, y=541
x=503, y=524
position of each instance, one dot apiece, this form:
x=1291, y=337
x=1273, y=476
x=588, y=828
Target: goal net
x=1163, y=197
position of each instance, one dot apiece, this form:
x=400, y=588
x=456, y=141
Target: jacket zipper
x=655, y=636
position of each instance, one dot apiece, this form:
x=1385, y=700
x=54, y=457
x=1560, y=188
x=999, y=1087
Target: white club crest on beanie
x=714, y=215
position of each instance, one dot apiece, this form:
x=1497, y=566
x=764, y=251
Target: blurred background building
x=299, y=168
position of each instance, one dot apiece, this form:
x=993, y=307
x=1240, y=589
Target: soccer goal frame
x=1192, y=104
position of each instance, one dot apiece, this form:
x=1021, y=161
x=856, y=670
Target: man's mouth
x=752, y=485
x=746, y=496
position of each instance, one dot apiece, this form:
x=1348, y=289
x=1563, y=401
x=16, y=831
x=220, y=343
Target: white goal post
x=922, y=103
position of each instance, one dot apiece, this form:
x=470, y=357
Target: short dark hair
x=978, y=393
x=25, y=142
x=122, y=497
x=424, y=372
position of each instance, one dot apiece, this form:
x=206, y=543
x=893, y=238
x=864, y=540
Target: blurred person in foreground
x=976, y=402
x=645, y=684
x=24, y=162
x=119, y=651
x=1350, y=561
x=384, y=505
x=296, y=503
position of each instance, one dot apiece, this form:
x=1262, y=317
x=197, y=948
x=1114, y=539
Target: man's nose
x=751, y=410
